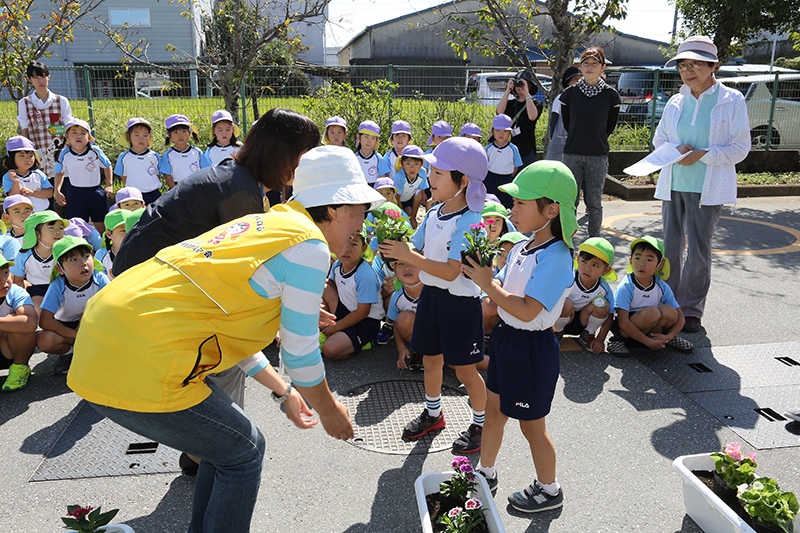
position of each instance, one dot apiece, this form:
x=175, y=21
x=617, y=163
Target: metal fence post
x=390, y=79
x=768, y=143
x=244, y=124
x=193, y=82
x=87, y=87
x=654, y=105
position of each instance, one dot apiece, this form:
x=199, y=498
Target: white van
x=488, y=87
x=757, y=91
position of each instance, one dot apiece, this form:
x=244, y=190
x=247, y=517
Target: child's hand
x=109, y=190
x=395, y=249
x=597, y=346
x=403, y=355
x=325, y=318
x=60, y=198
x=482, y=276
x=657, y=341
x=12, y=175
x=25, y=191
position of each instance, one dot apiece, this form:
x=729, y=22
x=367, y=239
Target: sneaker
x=682, y=345
x=586, y=339
x=188, y=466
x=617, y=347
x=794, y=414
x=322, y=338
x=692, y=324
x=533, y=499
x=62, y=365
x=385, y=334
x=415, y=363
x=491, y=481
x=17, y=377
x=469, y=441
x=423, y=424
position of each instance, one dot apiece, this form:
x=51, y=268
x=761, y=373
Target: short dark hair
x=9, y=164
x=555, y=224
x=644, y=246
x=274, y=145
x=457, y=177
x=320, y=213
x=78, y=250
x=36, y=69
x=167, y=140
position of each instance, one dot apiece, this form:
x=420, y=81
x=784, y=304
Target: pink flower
x=752, y=456
x=391, y=213
x=734, y=450
x=479, y=225
x=473, y=503
x=79, y=512
x=454, y=512
x=466, y=468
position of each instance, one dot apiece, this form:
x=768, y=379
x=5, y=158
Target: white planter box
x=111, y=528
x=429, y=483
x=702, y=505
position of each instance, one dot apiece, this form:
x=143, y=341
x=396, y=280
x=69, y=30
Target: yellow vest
x=148, y=339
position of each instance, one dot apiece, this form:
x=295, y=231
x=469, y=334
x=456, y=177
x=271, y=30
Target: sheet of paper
x=662, y=156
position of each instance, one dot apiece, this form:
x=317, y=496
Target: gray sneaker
x=680, y=344
x=491, y=481
x=62, y=365
x=533, y=499
x=794, y=414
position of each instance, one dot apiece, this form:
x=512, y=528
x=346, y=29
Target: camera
x=519, y=83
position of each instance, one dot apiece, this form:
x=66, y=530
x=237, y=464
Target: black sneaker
x=469, y=441
x=491, y=481
x=616, y=346
x=385, y=334
x=533, y=499
x=423, y=424
x=62, y=365
x=188, y=466
x=681, y=344
x=415, y=363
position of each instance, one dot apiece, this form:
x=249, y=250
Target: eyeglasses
x=689, y=65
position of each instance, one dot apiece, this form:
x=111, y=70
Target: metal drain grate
x=93, y=446
x=381, y=410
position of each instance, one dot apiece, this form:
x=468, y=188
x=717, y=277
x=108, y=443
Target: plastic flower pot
x=111, y=528
x=429, y=483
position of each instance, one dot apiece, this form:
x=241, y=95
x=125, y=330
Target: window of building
x=129, y=17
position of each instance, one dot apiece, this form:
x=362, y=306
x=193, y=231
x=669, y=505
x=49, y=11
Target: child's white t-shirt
x=140, y=170
x=181, y=165
x=373, y=166
x=632, y=297
x=106, y=258
x=401, y=301
x=503, y=159
x=581, y=296
x=34, y=180
x=407, y=189
x=36, y=270
x=67, y=302
x=216, y=154
x=83, y=169
x=359, y=286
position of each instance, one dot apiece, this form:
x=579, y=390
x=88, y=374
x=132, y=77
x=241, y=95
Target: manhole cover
x=381, y=410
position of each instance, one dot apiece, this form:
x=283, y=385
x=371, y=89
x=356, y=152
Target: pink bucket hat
x=469, y=158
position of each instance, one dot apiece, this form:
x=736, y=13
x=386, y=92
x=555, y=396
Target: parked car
x=758, y=93
x=488, y=87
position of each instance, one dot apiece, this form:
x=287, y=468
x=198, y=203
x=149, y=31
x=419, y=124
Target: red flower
x=80, y=512
x=391, y=213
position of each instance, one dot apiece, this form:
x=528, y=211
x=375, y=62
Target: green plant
x=389, y=224
x=85, y=519
x=463, y=481
x=478, y=244
x=764, y=500
x=733, y=466
x=463, y=520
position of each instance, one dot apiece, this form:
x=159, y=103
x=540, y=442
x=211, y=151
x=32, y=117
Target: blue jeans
x=231, y=448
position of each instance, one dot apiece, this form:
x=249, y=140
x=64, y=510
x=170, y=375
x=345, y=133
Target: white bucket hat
x=697, y=47
x=331, y=175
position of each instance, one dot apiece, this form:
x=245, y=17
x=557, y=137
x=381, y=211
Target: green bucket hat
x=552, y=180
x=133, y=218
x=663, y=273
x=42, y=217
x=116, y=217
x=601, y=249
x=493, y=208
x=64, y=245
x=5, y=262
x=512, y=236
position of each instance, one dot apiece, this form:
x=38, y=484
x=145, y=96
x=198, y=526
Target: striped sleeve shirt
x=297, y=277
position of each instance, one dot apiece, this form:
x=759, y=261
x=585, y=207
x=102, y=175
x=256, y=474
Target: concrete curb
x=616, y=187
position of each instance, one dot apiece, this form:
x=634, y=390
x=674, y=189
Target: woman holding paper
x=708, y=122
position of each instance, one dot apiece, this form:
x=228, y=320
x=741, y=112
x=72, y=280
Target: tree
x=237, y=33
x=511, y=28
x=22, y=45
x=732, y=22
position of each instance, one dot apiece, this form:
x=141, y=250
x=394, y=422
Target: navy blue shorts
x=492, y=181
x=448, y=325
x=408, y=203
x=361, y=333
x=575, y=327
x=38, y=290
x=617, y=333
x=88, y=203
x=151, y=196
x=523, y=370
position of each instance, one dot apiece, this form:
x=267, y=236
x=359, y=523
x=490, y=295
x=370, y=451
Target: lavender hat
x=16, y=199
x=469, y=158
x=502, y=122
x=411, y=150
x=401, y=126
x=697, y=47
x=82, y=123
x=471, y=129
x=177, y=120
x=78, y=228
x=384, y=183
x=369, y=127
x=18, y=142
x=336, y=121
x=135, y=121
x=127, y=193
x=219, y=115
x=440, y=128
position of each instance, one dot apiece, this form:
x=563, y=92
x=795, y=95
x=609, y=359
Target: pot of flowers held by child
x=479, y=247
x=388, y=222
x=89, y=520
x=457, y=502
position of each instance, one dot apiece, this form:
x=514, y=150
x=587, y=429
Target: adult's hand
x=693, y=157
x=337, y=423
x=298, y=412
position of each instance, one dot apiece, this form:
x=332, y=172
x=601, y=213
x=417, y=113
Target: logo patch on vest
x=231, y=232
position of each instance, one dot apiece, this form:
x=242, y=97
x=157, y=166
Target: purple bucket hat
x=472, y=129
x=219, y=115
x=384, y=183
x=401, y=126
x=469, y=158
x=440, y=128
x=336, y=121
x=18, y=142
x=135, y=121
x=16, y=199
x=177, y=120
x=412, y=150
x=78, y=228
x=502, y=122
x=369, y=127
x=127, y=193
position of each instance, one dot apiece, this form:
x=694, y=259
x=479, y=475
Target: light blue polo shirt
x=694, y=128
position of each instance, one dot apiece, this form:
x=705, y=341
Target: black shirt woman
x=518, y=103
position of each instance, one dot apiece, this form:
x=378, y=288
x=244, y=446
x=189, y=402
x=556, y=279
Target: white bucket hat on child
x=330, y=175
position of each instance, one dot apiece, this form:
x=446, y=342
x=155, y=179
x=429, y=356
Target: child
x=182, y=159
x=440, y=132
x=504, y=158
x=398, y=140
x=335, y=132
x=449, y=325
x=490, y=316
x=17, y=329
x=524, y=367
x=471, y=130
x=129, y=199
x=87, y=168
x=352, y=293
x=402, y=312
x=23, y=175
x=138, y=165
x=16, y=210
x=372, y=163
x=224, y=143
x=34, y=263
x=590, y=303
x=495, y=216
x=647, y=312
x=80, y=228
x=75, y=281
x=386, y=187
x=410, y=180
x=115, y=233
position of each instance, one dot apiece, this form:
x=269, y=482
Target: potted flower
x=89, y=520
x=731, y=469
x=479, y=247
x=772, y=510
x=389, y=224
x=464, y=520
